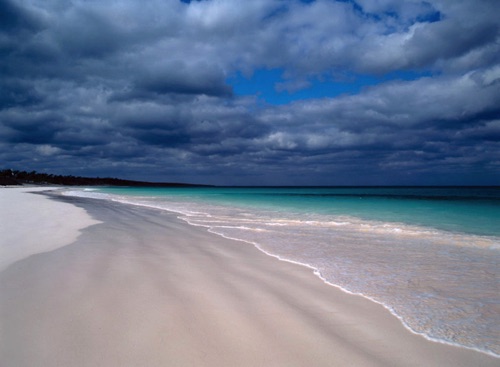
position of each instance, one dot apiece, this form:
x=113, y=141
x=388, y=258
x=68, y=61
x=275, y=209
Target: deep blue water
x=428, y=254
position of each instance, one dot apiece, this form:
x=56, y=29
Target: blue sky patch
x=270, y=85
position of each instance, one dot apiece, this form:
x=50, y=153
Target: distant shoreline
x=9, y=177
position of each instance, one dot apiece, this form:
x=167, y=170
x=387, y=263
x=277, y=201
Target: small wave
x=86, y=193
x=381, y=261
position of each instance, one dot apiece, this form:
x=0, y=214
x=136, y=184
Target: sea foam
x=440, y=284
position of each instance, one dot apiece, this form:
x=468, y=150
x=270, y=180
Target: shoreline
x=230, y=298
x=24, y=209
x=184, y=216
x=317, y=273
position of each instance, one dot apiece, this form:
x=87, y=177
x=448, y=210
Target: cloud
x=132, y=87
x=47, y=150
x=179, y=77
x=15, y=18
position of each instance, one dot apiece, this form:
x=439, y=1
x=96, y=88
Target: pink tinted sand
x=142, y=288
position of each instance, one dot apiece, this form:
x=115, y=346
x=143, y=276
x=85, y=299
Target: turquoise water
x=462, y=209
x=430, y=255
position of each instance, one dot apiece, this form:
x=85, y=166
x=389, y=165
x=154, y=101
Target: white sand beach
x=30, y=224
x=88, y=282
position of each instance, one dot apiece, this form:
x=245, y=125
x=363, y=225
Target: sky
x=253, y=92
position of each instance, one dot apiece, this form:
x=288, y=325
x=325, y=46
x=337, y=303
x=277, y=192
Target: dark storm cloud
x=204, y=125
x=15, y=18
x=140, y=89
x=18, y=92
x=31, y=128
x=178, y=77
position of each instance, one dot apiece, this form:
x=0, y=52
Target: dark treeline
x=15, y=177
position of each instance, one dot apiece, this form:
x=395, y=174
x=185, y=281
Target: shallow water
x=430, y=255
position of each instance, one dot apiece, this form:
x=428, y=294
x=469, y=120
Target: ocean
x=428, y=254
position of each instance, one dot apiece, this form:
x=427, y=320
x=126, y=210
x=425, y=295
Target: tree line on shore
x=16, y=177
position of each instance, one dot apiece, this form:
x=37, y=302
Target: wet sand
x=138, y=287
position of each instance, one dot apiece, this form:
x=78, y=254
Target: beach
x=99, y=283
